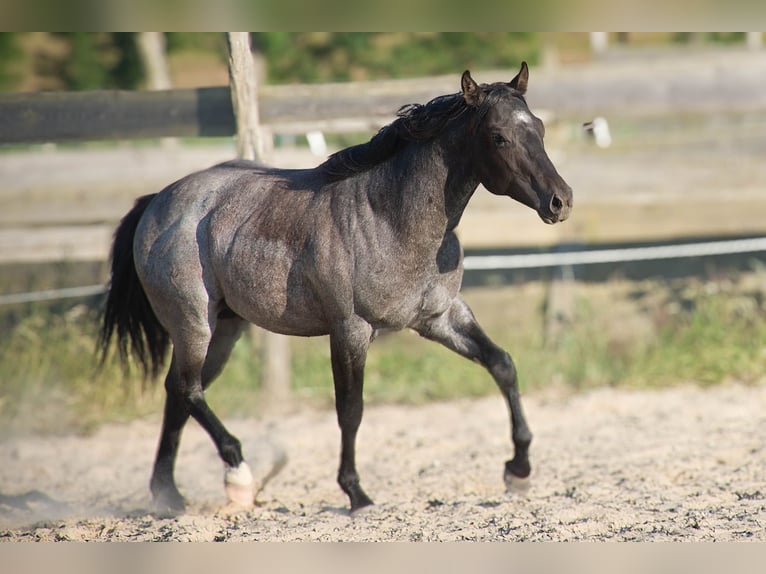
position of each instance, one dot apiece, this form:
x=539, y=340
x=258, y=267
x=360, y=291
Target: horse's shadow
x=339, y=510
x=32, y=507
x=32, y=500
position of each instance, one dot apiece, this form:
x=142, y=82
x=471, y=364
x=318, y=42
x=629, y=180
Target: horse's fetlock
x=348, y=481
x=231, y=452
x=522, y=439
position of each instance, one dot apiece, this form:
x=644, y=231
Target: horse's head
x=507, y=149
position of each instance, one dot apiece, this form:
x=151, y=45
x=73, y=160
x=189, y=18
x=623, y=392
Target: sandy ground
x=678, y=464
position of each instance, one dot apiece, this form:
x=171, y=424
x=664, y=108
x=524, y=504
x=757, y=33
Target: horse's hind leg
x=167, y=498
x=182, y=400
x=238, y=479
x=457, y=329
x=348, y=348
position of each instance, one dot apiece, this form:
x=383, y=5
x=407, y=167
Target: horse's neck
x=434, y=186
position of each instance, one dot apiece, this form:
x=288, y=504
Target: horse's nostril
x=556, y=204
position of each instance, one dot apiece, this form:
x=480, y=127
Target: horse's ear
x=519, y=83
x=471, y=91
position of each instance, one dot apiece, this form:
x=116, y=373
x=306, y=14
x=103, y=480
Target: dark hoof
x=360, y=504
x=169, y=503
x=519, y=469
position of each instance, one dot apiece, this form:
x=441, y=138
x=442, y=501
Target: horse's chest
x=397, y=300
x=400, y=287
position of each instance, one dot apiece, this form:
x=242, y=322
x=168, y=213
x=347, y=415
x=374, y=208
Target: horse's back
x=239, y=187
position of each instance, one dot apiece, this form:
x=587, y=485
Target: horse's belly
x=267, y=288
x=295, y=317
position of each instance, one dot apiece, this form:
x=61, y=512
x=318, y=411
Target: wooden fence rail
x=672, y=83
x=99, y=115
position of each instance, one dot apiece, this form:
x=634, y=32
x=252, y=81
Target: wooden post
x=251, y=145
x=599, y=42
x=754, y=40
x=151, y=47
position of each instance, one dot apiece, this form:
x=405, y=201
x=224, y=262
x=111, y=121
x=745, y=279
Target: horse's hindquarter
x=226, y=236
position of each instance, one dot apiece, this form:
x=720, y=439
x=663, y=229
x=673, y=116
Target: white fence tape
x=52, y=294
x=496, y=262
x=532, y=260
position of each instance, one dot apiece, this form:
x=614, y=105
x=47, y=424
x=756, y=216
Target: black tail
x=127, y=309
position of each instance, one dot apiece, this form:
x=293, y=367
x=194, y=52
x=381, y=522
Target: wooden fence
x=667, y=83
x=664, y=85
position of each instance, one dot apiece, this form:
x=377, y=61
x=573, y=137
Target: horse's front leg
x=349, y=343
x=457, y=329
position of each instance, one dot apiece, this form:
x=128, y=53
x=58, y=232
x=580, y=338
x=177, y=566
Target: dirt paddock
x=679, y=464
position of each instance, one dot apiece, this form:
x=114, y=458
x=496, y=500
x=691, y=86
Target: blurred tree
x=715, y=37
x=727, y=37
x=9, y=56
x=84, y=68
x=128, y=70
x=342, y=56
x=101, y=60
x=197, y=41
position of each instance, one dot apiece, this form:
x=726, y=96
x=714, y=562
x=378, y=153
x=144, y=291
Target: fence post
x=754, y=40
x=251, y=145
x=599, y=42
x=151, y=46
x=152, y=49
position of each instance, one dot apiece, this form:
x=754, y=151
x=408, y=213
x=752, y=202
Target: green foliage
x=714, y=37
x=343, y=56
x=128, y=71
x=197, y=42
x=111, y=60
x=681, y=335
x=622, y=334
x=84, y=69
x=98, y=60
x=50, y=380
x=726, y=37
x=101, y=61
x=9, y=56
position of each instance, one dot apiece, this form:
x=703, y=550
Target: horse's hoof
x=358, y=499
x=516, y=477
x=168, y=505
x=516, y=485
x=362, y=509
x=238, y=482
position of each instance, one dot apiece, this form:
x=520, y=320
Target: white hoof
x=238, y=482
x=516, y=485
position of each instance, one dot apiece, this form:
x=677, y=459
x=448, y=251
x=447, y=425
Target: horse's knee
x=503, y=370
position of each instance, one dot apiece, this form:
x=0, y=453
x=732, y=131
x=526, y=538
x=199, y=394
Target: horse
x=363, y=243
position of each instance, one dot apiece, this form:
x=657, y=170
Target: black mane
x=414, y=123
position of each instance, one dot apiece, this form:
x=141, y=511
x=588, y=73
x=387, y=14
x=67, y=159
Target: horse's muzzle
x=558, y=208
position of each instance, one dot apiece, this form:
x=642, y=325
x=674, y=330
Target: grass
x=637, y=335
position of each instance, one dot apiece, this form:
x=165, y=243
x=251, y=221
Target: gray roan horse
x=364, y=242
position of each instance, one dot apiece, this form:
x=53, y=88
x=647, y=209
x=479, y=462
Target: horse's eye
x=499, y=140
